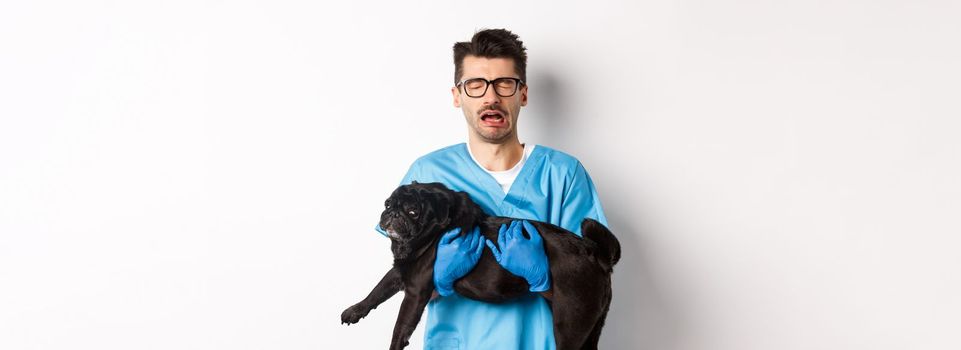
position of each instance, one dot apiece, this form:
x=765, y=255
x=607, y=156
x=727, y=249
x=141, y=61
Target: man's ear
x=455, y=92
x=524, y=95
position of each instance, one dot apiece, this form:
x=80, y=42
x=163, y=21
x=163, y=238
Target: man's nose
x=490, y=97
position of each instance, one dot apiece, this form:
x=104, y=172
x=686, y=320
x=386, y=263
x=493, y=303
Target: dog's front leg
x=386, y=288
x=410, y=311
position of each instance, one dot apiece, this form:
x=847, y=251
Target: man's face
x=491, y=117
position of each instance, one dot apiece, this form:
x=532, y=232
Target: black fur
x=580, y=268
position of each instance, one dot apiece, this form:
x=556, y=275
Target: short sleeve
x=580, y=201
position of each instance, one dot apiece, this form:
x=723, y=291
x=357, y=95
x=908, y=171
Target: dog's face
x=415, y=214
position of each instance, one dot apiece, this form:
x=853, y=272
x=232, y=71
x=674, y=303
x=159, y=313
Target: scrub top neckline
x=526, y=151
x=490, y=185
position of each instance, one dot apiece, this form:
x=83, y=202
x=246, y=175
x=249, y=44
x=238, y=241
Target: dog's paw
x=353, y=314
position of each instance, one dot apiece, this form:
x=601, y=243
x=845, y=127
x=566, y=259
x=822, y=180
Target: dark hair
x=491, y=43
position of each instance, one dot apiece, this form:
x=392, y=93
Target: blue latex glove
x=456, y=256
x=521, y=256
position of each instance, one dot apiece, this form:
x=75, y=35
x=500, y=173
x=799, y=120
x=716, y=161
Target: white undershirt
x=505, y=178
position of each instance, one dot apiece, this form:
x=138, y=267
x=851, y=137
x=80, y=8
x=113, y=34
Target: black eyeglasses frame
x=517, y=86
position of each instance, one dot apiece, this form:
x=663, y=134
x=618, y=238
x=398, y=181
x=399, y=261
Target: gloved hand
x=521, y=256
x=456, y=256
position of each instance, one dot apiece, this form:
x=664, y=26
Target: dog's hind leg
x=595, y=336
x=573, y=321
x=386, y=288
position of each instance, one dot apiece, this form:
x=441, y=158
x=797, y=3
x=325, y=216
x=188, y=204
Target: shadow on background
x=639, y=318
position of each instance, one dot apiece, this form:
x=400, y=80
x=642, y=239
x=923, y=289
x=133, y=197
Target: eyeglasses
x=503, y=87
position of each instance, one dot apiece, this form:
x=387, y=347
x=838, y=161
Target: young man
x=506, y=178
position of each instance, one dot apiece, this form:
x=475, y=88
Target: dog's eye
x=387, y=204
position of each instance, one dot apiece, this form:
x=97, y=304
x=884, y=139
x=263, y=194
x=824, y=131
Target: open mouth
x=492, y=118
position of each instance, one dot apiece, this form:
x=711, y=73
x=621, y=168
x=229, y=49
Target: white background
x=206, y=174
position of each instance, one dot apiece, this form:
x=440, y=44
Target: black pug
x=417, y=215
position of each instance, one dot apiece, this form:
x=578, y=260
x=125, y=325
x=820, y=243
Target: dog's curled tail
x=609, y=249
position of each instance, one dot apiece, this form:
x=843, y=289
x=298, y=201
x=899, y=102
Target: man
x=506, y=178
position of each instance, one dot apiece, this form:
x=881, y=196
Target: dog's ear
x=437, y=209
x=434, y=202
x=464, y=212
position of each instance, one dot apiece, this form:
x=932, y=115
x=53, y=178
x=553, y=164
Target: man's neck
x=497, y=156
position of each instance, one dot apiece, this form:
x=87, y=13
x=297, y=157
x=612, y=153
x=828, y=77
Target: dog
x=418, y=214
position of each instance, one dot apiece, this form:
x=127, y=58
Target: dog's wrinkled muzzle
x=394, y=224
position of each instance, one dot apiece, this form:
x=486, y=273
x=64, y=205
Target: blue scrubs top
x=553, y=187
